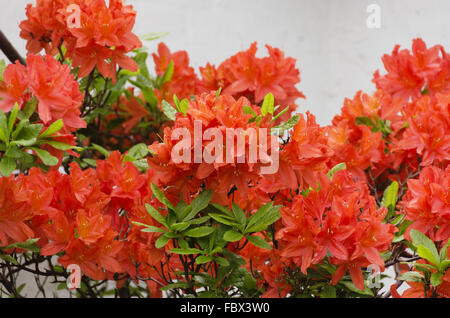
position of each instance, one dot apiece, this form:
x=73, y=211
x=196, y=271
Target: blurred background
x=335, y=50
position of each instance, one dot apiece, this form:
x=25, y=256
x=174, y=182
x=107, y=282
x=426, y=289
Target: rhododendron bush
x=91, y=142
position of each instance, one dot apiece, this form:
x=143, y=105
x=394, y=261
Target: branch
x=9, y=50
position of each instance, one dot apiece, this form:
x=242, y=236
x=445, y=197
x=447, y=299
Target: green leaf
x=161, y=197
x=427, y=254
x=29, y=245
x=186, y=251
x=24, y=142
x=138, y=151
x=239, y=214
x=100, y=149
x=162, y=241
x=171, y=218
x=249, y=282
x=259, y=242
x=30, y=108
x=155, y=214
x=20, y=288
x=25, y=123
x=280, y=129
x=150, y=228
x=141, y=164
x=444, y=265
x=89, y=161
x=150, y=97
x=174, y=286
x=203, y=259
x=14, y=152
x=53, y=128
x=222, y=261
x=181, y=226
x=424, y=268
x=182, y=209
x=13, y=117
x=384, y=127
x=153, y=36
x=7, y=166
x=222, y=209
x=176, y=101
x=200, y=231
x=223, y=219
x=336, y=168
x=168, y=110
x=363, y=120
x=183, y=244
x=443, y=252
x=328, y=291
x=218, y=93
x=428, y=250
x=248, y=110
x=4, y=131
x=183, y=106
x=45, y=156
x=141, y=61
x=232, y=236
x=198, y=204
x=216, y=250
x=436, y=279
x=411, y=277
x=386, y=255
x=197, y=221
x=167, y=76
x=8, y=258
x=390, y=196
x=353, y=288
x=268, y=104
x=265, y=216
x=61, y=145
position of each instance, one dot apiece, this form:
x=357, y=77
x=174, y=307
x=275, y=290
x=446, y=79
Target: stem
x=9, y=50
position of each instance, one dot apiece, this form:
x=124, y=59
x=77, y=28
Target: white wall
x=336, y=52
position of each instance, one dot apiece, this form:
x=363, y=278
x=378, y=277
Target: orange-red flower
x=51, y=83
x=427, y=203
x=183, y=83
x=339, y=218
x=409, y=73
x=102, y=38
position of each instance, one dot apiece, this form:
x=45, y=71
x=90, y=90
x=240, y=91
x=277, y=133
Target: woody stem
x=9, y=50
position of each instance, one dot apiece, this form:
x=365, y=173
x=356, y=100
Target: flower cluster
x=183, y=82
x=411, y=73
x=51, y=83
x=85, y=215
x=340, y=218
x=94, y=35
x=427, y=203
x=221, y=174
x=244, y=74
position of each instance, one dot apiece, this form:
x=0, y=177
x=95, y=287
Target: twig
x=9, y=50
